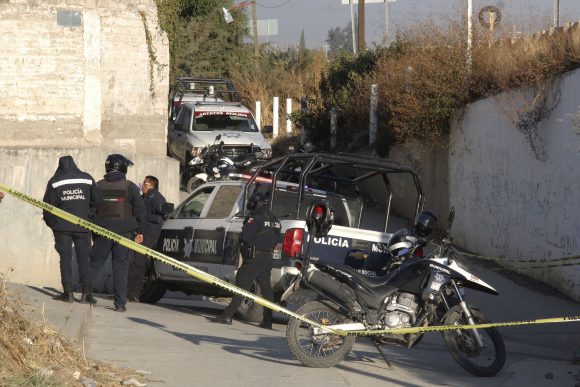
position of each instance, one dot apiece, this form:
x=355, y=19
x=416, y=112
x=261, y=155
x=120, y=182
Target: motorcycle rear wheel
x=463, y=348
x=317, y=351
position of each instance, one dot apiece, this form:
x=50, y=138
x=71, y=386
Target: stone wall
x=77, y=77
x=80, y=73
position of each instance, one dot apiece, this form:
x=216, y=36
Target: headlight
x=196, y=151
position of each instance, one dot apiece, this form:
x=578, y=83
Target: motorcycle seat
x=240, y=160
x=373, y=290
x=367, y=281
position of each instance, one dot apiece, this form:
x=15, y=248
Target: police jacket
x=154, y=203
x=261, y=229
x=122, y=209
x=71, y=190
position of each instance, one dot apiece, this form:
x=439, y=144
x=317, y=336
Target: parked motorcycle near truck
x=213, y=164
x=417, y=291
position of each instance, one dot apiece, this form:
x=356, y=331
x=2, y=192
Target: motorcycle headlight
x=195, y=152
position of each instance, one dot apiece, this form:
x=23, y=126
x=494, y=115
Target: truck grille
x=235, y=151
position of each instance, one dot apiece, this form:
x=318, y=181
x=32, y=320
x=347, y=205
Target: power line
x=274, y=6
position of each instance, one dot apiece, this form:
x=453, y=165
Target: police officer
x=259, y=237
x=74, y=191
x=123, y=212
x=155, y=209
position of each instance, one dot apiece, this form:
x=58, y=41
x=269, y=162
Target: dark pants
x=138, y=266
x=120, y=262
x=258, y=269
x=63, y=242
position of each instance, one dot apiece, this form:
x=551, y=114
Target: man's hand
x=139, y=238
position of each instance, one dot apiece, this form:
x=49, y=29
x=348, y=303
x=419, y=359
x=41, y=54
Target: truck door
x=211, y=247
x=178, y=133
x=177, y=235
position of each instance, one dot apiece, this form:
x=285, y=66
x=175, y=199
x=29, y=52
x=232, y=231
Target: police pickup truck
x=203, y=230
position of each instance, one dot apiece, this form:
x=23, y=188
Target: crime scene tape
x=206, y=277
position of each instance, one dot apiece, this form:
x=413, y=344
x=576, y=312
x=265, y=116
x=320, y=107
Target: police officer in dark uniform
x=74, y=191
x=123, y=212
x=156, y=208
x=259, y=237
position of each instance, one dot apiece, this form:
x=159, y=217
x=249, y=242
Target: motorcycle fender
x=342, y=327
x=202, y=176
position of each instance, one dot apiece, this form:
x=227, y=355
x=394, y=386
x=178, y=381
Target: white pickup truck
x=204, y=229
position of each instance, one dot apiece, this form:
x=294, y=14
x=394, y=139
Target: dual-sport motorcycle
x=417, y=291
x=212, y=164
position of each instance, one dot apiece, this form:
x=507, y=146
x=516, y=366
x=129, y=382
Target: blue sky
x=316, y=17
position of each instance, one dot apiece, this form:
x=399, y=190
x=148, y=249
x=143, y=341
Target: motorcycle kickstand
x=383, y=354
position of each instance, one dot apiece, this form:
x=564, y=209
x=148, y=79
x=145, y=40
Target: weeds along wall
x=516, y=196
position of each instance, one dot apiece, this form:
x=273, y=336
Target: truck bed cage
x=315, y=165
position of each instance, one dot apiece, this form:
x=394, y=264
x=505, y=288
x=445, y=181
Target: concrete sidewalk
x=174, y=344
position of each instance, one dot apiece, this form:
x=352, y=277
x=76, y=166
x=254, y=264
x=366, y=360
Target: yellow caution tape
x=206, y=277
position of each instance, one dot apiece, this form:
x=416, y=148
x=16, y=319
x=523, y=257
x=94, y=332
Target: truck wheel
x=249, y=310
x=153, y=289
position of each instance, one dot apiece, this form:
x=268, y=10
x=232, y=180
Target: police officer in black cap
x=123, y=212
x=74, y=191
x=259, y=237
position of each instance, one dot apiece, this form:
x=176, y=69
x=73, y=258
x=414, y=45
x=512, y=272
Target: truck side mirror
x=268, y=129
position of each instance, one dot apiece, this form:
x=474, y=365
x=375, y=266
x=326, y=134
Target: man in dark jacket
x=259, y=237
x=155, y=210
x=123, y=212
x=74, y=191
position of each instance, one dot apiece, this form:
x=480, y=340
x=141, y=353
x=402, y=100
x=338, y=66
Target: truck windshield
x=224, y=121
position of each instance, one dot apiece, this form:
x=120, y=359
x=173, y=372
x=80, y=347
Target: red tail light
x=293, y=242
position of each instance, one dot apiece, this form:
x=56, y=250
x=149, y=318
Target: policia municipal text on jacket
x=74, y=191
x=259, y=237
x=123, y=212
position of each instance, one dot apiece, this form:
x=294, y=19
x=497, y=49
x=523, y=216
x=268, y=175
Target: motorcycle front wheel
x=322, y=350
x=463, y=347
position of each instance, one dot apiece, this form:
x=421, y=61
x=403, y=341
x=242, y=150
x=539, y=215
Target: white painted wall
x=510, y=204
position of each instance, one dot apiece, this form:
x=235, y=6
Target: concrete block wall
x=511, y=204
x=76, y=77
x=86, y=84
x=28, y=255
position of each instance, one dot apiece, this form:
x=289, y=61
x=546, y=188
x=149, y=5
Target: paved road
x=174, y=340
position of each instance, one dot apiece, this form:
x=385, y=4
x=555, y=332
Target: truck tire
x=249, y=310
x=153, y=289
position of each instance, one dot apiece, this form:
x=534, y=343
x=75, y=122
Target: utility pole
x=352, y=28
x=387, y=23
x=361, y=26
x=255, y=28
x=469, y=33
x=556, y=13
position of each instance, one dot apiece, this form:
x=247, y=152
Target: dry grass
x=423, y=82
x=35, y=354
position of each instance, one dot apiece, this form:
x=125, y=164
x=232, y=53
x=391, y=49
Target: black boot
x=267, y=319
x=222, y=319
x=66, y=297
x=87, y=298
